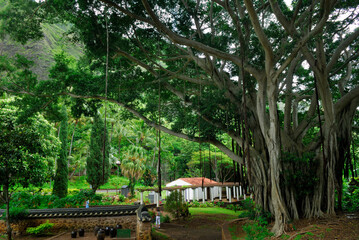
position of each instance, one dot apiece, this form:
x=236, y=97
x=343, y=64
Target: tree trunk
x=273, y=144
x=7, y=201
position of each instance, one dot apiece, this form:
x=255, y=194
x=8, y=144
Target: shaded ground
x=340, y=227
x=198, y=227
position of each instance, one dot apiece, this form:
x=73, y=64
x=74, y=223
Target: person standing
x=158, y=217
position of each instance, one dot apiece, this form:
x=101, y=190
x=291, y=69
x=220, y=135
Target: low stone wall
x=69, y=224
x=135, y=218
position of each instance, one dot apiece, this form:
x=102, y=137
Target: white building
x=195, y=190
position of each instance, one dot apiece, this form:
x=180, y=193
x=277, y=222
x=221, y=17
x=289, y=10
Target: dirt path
x=198, y=227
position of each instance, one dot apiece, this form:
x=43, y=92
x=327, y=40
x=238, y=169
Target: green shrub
x=16, y=214
x=176, y=206
x=351, y=200
x=194, y=204
x=256, y=231
x=165, y=219
x=255, y=213
x=234, y=207
x=42, y=229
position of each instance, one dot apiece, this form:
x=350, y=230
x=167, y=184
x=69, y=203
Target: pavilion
x=200, y=188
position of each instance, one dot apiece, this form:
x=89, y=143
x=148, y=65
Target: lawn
x=214, y=210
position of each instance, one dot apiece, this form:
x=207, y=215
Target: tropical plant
x=133, y=166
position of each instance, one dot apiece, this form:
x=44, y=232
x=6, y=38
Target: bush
x=351, y=200
x=16, y=214
x=255, y=213
x=256, y=231
x=176, y=206
x=165, y=219
x=42, y=229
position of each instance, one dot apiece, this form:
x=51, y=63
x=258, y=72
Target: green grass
x=214, y=210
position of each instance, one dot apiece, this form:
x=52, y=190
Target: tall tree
x=286, y=75
x=97, y=168
x=62, y=168
x=27, y=149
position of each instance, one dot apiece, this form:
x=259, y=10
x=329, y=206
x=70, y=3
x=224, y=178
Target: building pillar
x=211, y=191
x=230, y=196
x=240, y=190
x=203, y=195
x=220, y=193
x=227, y=193
x=157, y=199
x=234, y=191
x=141, y=198
x=237, y=193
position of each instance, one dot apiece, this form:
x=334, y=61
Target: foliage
x=97, y=167
x=133, y=166
x=165, y=219
x=351, y=199
x=254, y=212
x=62, y=170
x=175, y=205
x=299, y=173
x=25, y=152
x=41, y=229
x=256, y=231
x=16, y=214
x=26, y=200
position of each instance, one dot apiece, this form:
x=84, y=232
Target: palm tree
x=133, y=165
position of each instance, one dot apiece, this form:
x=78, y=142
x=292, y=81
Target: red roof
x=198, y=180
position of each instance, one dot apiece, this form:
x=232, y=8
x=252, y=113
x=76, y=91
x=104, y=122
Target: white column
x=141, y=198
x=220, y=193
x=157, y=199
x=211, y=191
x=234, y=191
x=230, y=195
x=240, y=189
x=237, y=193
x=244, y=196
x=193, y=194
x=227, y=193
x=197, y=194
x=203, y=194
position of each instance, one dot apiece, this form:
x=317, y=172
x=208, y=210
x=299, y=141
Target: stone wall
x=87, y=223
x=143, y=231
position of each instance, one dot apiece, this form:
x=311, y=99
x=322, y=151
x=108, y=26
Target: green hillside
x=42, y=52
